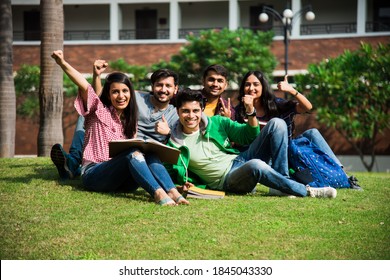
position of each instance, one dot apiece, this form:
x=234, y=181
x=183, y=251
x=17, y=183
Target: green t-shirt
x=207, y=160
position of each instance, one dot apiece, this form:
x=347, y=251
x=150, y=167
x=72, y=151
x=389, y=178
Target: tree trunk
x=7, y=88
x=51, y=80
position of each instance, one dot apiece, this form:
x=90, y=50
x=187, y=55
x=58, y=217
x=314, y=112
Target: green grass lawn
x=42, y=218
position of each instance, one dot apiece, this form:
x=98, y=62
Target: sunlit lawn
x=42, y=218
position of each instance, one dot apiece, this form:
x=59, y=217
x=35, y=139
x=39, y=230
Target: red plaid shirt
x=102, y=125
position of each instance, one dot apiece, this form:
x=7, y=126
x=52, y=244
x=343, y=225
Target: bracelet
x=253, y=114
x=296, y=93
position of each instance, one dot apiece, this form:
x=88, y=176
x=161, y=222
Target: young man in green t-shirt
x=208, y=158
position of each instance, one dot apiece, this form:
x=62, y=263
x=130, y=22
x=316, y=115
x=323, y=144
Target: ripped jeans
x=251, y=166
x=126, y=172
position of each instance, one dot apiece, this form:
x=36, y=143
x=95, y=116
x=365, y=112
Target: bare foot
x=177, y=197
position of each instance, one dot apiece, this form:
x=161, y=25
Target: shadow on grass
x=77, y=185
x=41, y=170
x=33, y=170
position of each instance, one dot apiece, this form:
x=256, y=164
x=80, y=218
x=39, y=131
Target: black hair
x=164, y=73
x=267, y=98
x=189, y=95
x=219, y=69
x=131, y=111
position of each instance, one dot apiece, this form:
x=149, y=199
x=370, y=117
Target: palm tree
x=51, y=80
x=7, y=88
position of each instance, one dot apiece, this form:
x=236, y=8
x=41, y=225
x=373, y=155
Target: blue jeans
x=76, y=148
x=250, y=167
x=75, y=156
x=126, y=172
x=271, y=146
x=315, y=137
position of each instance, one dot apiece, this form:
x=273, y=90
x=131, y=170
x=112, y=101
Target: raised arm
x=304, y=104
x=99, y=66
x=72, y=73
x=250, y=110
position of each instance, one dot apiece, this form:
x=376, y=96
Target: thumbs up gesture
x=162, y=126
x=285, y=86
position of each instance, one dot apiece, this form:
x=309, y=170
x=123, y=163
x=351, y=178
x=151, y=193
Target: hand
x=247, y=100
x=99, y=66
x=285, y=86
x=162, y=126
x=58, y=56
x=225, y=110
x=184, y=188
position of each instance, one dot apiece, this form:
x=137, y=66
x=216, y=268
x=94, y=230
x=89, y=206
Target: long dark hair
x=131, y=111
x=267, y=99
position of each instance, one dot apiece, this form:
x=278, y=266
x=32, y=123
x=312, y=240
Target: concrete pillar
x=296, y=5
x=174, y=20
x=361, y=17
x=234, y=15
x=115, y=21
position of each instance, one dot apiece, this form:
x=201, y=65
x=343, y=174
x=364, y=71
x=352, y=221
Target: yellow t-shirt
x=209, y=110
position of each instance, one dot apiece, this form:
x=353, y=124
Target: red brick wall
x=83, y=56
x=301, y=52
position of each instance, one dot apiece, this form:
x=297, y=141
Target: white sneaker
x=327, y=192
x=275, y=192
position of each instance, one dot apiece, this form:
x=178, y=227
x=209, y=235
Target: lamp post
x=287, y=19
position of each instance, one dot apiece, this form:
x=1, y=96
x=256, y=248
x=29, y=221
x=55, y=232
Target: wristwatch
x=253, y=114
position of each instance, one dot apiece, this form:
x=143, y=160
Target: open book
x=165, y=153
x=196, y=192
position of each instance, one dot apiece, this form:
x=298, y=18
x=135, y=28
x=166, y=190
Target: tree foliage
x=138, y=74
x=239, y=51
x=27, y=85
x=352, y=94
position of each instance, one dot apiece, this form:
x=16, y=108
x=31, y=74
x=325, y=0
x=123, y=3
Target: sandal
x=166, y=202
x=180, y=199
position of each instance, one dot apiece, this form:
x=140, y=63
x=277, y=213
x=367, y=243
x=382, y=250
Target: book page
x=165, y=153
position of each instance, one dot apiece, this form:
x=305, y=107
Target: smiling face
x=190, y=113
x=119, y=96
x=253, y=86
x=164, y=89
x=214, y=84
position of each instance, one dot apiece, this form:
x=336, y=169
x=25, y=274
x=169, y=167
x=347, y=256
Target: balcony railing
x=68, y=35
x=137, y=34
x=87, y=35
x=377, y=26
x=184, y=32
x=163, y=34
x=335, y=28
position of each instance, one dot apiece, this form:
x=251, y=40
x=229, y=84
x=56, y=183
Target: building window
x=381, y=15
x=146, y=24
x=32, y=25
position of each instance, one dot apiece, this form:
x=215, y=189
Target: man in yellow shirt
x=215, y=82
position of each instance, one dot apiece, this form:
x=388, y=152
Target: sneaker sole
x=326, y=192
x=59, y=161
